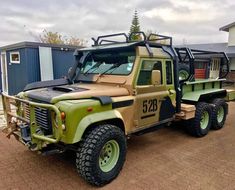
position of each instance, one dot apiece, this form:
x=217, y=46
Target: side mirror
x=70, y=70
x=70, y=73
x=156, y=77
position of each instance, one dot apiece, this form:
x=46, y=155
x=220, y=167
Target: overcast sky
x=196, y=21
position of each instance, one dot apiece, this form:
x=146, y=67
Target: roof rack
x=101, y=39
x=152, y=39
x=158, y=37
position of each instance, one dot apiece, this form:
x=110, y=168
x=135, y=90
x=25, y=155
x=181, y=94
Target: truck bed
x=196, y=90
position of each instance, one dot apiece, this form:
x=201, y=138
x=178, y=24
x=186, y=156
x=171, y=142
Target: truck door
x=154, y=103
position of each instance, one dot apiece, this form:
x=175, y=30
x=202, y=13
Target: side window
x=15, y=57
x=168, y=72
x=146, y=71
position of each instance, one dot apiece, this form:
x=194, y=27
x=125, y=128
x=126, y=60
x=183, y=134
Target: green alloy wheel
x=204, y=120
x=109, y=156
x=220, y=114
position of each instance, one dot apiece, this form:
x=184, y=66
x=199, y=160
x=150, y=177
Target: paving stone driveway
x=165, y=159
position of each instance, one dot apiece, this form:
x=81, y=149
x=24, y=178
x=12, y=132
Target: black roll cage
x=190, y=55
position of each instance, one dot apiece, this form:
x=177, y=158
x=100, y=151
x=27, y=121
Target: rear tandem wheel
x=200, y=125
x=219, y=114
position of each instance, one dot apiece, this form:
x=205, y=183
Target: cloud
x=195, y=21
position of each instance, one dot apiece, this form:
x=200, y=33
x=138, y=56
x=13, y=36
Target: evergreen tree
x=135, y=27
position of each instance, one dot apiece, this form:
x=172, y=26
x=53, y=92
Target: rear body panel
x=202, y=89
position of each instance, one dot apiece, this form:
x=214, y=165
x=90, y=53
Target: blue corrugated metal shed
x=17, y=75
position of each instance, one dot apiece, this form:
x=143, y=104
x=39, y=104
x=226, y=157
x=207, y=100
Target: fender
x=94, y=118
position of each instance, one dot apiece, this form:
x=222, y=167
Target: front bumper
x=21, y=126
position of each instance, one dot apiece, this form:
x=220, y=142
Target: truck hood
x=74, y=91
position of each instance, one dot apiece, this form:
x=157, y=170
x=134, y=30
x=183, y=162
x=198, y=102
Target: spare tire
x=184, y=72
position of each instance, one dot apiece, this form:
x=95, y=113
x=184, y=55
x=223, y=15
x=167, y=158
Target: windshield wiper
x=113, y=67
x=96, y=66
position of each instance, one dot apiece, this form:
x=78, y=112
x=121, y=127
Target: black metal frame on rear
x=190, y=55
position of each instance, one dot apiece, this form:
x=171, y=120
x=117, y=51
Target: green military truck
x=114, y=90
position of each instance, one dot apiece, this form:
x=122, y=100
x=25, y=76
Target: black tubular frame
x=137, y=33
x=220, y=54
x=128, y=38
x=187, y=55
x=159, y=38
x=98, y=41
x=192, y=54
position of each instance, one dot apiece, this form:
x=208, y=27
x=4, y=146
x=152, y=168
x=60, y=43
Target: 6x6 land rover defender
x=117, y=89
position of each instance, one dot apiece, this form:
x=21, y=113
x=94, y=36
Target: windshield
x=113, y=62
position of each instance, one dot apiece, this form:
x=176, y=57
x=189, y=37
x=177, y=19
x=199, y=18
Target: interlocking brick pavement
x=165, y=159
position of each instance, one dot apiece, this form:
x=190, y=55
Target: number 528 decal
x=150, y=105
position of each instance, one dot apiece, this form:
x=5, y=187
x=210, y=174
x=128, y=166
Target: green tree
x=51, y=37
x=135, y=27
x=76, y=41
x=57, y=38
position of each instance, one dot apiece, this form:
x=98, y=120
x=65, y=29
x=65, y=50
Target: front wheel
x=102, y=154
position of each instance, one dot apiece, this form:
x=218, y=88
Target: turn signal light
x=89, y=109
x=62, y=115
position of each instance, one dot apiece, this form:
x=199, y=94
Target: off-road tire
x=183, y=70
x=195, y=126
x=89, y=151
x=218, y=115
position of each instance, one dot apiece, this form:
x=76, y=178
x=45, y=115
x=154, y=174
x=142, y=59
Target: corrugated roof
x=218, y=47
x=36, y=44
x=209, y=46
x=226, y=27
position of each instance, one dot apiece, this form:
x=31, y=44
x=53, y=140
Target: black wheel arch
x=115, y=121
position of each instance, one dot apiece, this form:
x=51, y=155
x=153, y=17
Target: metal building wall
x=28, y=71
x=33, y=66
x=17, y=73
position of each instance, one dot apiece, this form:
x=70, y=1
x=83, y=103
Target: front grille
x=26, y=111
x=42, y=117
